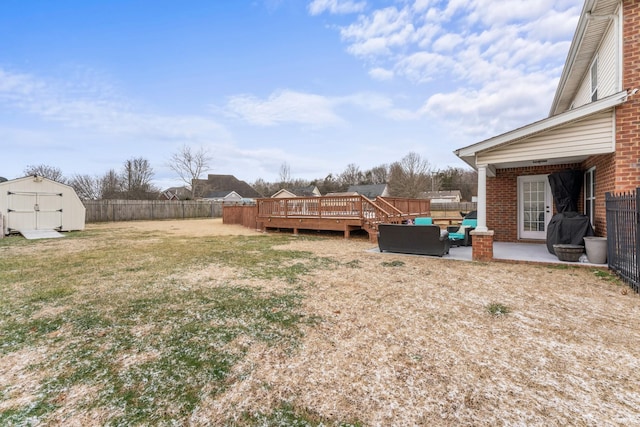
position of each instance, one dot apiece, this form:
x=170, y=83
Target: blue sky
x=318, y=84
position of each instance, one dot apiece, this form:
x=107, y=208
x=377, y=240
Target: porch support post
x=482, y=198
x=482, y=242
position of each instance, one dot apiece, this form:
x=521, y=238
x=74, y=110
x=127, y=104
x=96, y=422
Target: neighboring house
x=370, y=191
x=224, y=196
x=175, y=193
x=592, y=128
x=309, y=191
x=225, y=183
x=454, y=196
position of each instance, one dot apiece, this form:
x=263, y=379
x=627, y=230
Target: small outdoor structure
x=38, y=203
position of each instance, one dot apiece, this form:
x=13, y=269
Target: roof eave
x=468, y=154
x=573, y=52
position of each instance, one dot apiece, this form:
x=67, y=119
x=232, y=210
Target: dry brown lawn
x=409, y=340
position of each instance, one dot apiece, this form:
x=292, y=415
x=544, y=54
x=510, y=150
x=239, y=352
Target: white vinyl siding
x=608, y=70
x=593, y=135
x=608, y=80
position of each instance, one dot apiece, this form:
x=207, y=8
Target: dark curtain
x=565, y=187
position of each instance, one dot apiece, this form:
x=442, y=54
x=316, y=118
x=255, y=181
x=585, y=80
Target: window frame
x=590, y=194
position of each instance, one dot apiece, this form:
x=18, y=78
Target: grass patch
x=498, y=309
x=287, y=415
x=117, y=319
x=395, y=263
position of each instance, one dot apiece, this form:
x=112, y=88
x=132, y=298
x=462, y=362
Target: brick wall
x=605, y=177
x=627, y=157
x=502, y=198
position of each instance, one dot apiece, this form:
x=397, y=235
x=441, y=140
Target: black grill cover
x=565, y=187
x=568, y=228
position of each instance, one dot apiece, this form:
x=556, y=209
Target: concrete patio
x=518, y=252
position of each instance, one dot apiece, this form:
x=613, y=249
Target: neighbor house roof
x=309, y=191
x=176, y=193
x=370, y=191
x=226, y=183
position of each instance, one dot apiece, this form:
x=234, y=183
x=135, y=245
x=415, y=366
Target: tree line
x=409, y=177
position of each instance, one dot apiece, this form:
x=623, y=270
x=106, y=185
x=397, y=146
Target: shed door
x=34, y=211
x=534, y=206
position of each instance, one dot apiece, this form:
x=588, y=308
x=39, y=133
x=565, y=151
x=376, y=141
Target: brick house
x=593, y=127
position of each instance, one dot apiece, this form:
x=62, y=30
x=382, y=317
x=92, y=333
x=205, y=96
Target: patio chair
x=460, y=236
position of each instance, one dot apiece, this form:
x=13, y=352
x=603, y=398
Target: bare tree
x=465, y=180
x=409, y=177
x=136, y=179
x=189, y=165
x=377, y=175
x=264, y=188
x=51, y=172
x=87, y=187
x=327, y=185
x=110, y=185
x=285, y=174
x=351, y=176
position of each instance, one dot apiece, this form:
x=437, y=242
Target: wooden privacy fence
x=453, y=208
x=133, y=210
x=623, y=236
x=240, y=215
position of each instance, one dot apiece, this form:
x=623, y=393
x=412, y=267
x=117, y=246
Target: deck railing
x=356, y=207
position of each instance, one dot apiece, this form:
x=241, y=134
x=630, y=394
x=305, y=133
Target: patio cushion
x=423, y=221
x=462, y=233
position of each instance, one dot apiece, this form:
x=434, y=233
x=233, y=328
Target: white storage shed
x=37, y=203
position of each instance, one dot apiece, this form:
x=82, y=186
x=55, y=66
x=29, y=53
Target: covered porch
x=515, y=204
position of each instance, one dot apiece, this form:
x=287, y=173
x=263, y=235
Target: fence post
x=637, y=248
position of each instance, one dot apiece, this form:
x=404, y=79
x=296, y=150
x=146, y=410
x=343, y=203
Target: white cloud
x=447, y=42
x=380, y=73
x=494, y=108
x=339, y=7
x=290, y=107
x=284, y=107
x=376, y=35
x=94, y=107
x=423, y=66
x=493, y=51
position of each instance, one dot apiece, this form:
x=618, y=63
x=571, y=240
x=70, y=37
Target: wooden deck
x=340, y=213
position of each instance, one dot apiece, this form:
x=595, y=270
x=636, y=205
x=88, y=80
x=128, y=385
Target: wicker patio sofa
x=413, y=239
